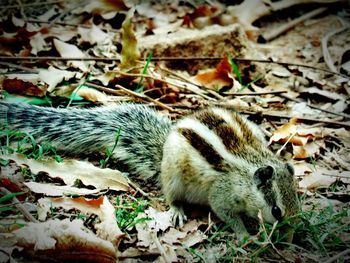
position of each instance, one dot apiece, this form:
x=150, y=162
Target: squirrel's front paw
x=178, y=215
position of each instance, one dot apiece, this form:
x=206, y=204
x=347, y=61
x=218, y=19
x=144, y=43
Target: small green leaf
x=236, y=69
x=9, y=196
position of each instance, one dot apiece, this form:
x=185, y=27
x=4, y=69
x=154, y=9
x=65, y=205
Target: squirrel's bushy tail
x=142, y=131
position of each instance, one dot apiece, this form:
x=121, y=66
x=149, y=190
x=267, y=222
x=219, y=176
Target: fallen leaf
x=333, y=96
x=311, y=149
x=53, y=76
x=92, y=95
x=92, y=35
x=97, y=7
x=58, y=190
x=63, y=241
x=289, y=132
x=71, y=170
x=217, y=78
x=319, y=178
x=130, y=53
x=71, y=51
x=22, y=87
x=38, y=43
x=107, y=228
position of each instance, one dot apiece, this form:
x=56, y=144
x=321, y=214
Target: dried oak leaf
x=107, y=228
x=63, y=241
x=217, y=78
x=53, y=76
x=68, y=51
x=105, y=8
x=71, y=170
x=289, y=132
x=204, y=11
x=23, y=87
x=130, y=53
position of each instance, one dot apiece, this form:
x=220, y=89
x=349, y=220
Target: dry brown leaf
x=22, y=87
x=324, y=93
x=96, y=7
x=71, y=170
x=53, y=76
x=63, y=241
x=173, y=236
x=92, y=35
x=58, y=190
x=217, y=78
x=106, y=229
x=71, y=51
x=105, y=78
x=130, y=53
x=301, y=168
x=308, y=150
x=92, y=95
x=317, y=179
x=38, y=43
x=290, y=132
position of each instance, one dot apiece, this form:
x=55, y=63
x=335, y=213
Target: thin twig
x=324, y=42
x=315, y=107
x=278, y=153
x=251, y=60
x=173, y=59
x=132, y=93
x=304, y=119
x=165, y=81
x=160, y=247
x=19, y=206
x=255, y=93
x=137, y=188
x=336, y=257
x=180, y=77
x=144, y=97
x=289, y=25
x=11, y=65
x=268, y=236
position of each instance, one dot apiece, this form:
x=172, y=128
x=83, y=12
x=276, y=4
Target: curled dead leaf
x=92, y=95
x=23, y=87
x=217, y=78
x=63, y=241
x=71, y=51
x=71, y=170
x=107, y=229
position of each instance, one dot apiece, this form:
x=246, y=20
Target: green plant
x=109, y=152
x=6, y=198
x=323, y=230
x=238, y=74
x=25, y=144
x=80, y=85
x=127, y=213
x=139, y=87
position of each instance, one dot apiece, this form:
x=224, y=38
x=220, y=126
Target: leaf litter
x=79, y=59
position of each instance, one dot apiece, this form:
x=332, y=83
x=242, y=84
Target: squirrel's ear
x=263, y=174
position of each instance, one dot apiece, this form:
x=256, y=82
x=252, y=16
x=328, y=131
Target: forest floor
x=284, y=66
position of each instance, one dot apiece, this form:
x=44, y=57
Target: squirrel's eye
x=276, y=212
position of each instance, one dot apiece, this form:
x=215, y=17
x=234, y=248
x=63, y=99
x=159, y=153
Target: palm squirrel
x=213, y=157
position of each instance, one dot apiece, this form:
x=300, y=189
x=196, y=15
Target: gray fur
x=143, y=131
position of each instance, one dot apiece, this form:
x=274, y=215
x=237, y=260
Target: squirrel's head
x=276, y=191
